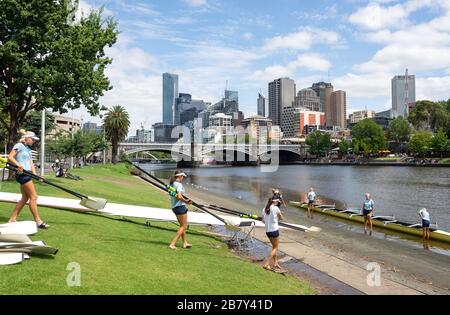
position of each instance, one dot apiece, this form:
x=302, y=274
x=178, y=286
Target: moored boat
x=385, y=222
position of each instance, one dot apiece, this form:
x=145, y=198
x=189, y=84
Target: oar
x=169, y=189
x=255, y=217
x=86, y=201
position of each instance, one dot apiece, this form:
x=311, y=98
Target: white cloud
x=309, y=61
x=248, y=36
x=195, y=3
x=303, y=39
x=375, y=16
x=433, y=88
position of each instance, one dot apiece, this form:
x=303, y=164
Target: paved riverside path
x=342, y=270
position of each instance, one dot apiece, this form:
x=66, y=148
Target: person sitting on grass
x=179, y=208
x=271, y=215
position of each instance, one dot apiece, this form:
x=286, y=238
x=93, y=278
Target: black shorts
x=180, y=210
x=425, y=223
x=22, y=179
x=367, y=212
x=311, y=203
x=274, y=234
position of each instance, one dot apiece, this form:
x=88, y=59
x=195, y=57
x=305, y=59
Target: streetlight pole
x=42, y=171
x=71, y=157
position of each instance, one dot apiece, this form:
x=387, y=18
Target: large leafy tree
x=440, y=142
x=420, y=143
x=33, y=121
x=49, y=59
x=368, y=137
x=319, y=143
x=428, y=115
x=344, y=146
x=399, y=130
x=116, y=124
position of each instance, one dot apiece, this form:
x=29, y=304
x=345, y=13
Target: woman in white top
x=271, y=214
x=425, y=216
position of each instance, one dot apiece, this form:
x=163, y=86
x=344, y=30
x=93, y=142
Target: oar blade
x=93, y=203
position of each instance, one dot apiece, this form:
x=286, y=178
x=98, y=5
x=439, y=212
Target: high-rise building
x=281, y=95
x=323, y=90
x=232, y=96
x=263, y=105
x=163, y=133
x=187, y=109
x=399, y=83
x=308, y=99
x=170, y=94
x=89, y=126
x=359, y=115
x=298, y=121
x=337, y=115
x=259, y=127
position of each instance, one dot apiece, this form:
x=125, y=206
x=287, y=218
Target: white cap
x=31, y=135
x=181, y=174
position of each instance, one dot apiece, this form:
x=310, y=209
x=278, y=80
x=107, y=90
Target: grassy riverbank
x=119, y=257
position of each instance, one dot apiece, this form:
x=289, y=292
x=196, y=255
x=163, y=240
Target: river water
x=400, y=191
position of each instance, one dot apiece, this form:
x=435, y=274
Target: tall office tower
x=403, y=91
x=232, y=96
x=281, y=95
x=308, y=99
x=338, y=110
x=263, y=109
x=170, y=94
x=323, y=90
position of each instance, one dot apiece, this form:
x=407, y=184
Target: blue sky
x=358, y=44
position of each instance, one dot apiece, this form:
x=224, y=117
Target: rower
x=425, y=216
x=311, y=200
x=278, y=196
x=368, y=209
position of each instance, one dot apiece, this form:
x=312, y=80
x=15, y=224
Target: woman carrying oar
x=270, y=216
x=179, y=208
x=20, y=156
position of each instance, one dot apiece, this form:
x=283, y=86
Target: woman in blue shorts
x=179, y=208
x=368, y=209
x=20, y=156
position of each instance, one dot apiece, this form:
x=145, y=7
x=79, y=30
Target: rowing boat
x=385, y=222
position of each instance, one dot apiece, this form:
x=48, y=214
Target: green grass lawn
x=445, y=161
x=387, y=159
x=118, y=257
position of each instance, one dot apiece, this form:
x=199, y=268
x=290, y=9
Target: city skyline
x=354, y=45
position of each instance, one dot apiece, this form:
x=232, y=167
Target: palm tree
x=116, y=124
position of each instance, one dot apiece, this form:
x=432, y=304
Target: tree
x=50, y=59
x=420, y=143
x=399, y=131
x=344, y=146
x=116, y=124
x=428, y=115
x=440, y=142
x=368, y=137
x=33, y=119
x=319, y=143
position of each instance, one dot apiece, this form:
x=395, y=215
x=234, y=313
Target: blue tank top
x=23, y=155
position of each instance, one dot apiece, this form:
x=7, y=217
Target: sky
x=358, y=45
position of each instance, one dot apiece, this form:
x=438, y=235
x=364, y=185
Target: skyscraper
x=170, y=94
x=232, y=96
x=281, y=95
x=308, y=99
x=338, y=113
x=323, y=90
x=263, y=109
x=399, y=108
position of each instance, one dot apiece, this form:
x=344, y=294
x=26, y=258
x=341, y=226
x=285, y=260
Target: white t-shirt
x=425, y=215
x=271, y=219
x=311, y=196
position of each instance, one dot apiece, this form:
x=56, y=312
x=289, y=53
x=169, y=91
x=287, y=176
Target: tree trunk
x=114, y=151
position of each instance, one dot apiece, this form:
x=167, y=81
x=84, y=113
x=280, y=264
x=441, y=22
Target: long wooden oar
x=255, y=217
x=86, y=201
x=169, y=189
